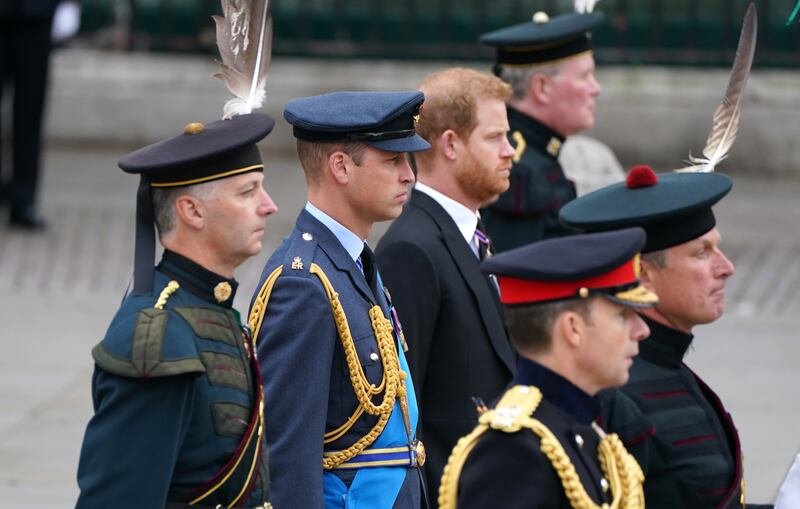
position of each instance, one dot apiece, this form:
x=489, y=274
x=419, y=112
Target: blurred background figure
x=25, y=43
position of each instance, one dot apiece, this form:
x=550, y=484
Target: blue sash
x=377, y=487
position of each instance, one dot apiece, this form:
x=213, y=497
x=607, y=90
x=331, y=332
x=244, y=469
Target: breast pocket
x=369, y=357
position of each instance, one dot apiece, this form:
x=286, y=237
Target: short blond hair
x=451, y=98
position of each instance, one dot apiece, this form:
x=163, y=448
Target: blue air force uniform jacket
x=174, y=392
x=307, y=385
x=528, y=210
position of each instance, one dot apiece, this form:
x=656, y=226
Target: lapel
x=334, y=250
x=468, y=266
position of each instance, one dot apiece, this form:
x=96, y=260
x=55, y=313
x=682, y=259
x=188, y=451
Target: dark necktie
x=367, y=264
x=484, y=243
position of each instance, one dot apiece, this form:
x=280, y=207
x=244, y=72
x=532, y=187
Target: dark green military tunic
x=676, y=427
x=528, y=210
x=173, y=392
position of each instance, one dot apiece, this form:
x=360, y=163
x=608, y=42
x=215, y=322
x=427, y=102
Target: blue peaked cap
x=383, y=120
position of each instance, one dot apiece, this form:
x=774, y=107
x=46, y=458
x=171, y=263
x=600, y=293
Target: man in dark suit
x=568, y=306
x=341, y=406
x=458, y=348
x=24, y=60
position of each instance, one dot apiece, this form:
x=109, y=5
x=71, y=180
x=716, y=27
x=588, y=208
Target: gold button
x=583, y=292
x=194, y=128
x=604, y=484
x=579, y=440
x=374, y=356
x=307, y=236
x=541, y=17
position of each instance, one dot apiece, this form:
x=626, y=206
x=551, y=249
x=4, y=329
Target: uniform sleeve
x=413, y=282
x=131, y=443
x=622, y=416
x=508, y=470
x=295, y=352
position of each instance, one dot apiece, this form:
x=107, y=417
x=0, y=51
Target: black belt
x=181, y=505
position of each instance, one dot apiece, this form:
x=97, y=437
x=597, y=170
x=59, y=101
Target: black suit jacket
x=451, y=316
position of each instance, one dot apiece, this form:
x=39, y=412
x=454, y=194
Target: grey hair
x=657, y=259
x=520, y=77
x=164, y=199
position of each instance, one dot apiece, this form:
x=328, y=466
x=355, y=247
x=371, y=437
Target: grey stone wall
x=646, y=115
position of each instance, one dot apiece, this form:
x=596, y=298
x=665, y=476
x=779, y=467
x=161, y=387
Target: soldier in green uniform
x=549, y=65
x=569, y=308
x=668, y=418
x=177, y=395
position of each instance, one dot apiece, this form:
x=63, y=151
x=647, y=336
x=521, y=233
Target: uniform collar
x=351, y=242
x=466, y=220
x=537, y=135
x=665, y=346
x=558, y=391
x=197, y=280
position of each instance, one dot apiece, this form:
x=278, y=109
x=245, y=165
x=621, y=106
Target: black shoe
x=26, y=219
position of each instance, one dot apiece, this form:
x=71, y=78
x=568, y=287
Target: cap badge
x=223, y=291
x=194, y=128
x=297, y=263
x=637, y=268
x=554, y=146
x=541, y=17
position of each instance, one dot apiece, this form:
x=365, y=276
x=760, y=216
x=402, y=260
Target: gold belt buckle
x=419, y=450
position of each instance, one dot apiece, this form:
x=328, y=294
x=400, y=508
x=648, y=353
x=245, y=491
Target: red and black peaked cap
x=573, y=267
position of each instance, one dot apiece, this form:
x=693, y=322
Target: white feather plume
x=244, y=39
x=584, y=6
x=726, y=116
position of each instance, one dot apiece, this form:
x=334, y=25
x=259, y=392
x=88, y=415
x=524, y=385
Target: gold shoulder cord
x=514, y=413
x=171, y=288
x=392, y=384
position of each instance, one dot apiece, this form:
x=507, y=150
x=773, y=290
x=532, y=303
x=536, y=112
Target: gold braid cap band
x=392, y=384
x=512, y=414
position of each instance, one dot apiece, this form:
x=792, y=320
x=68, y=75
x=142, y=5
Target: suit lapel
x=468, y=266
x=334, y=250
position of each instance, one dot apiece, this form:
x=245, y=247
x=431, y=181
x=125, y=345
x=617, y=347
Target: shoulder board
x=299, y=253
x=134, y=345
x=514, y=410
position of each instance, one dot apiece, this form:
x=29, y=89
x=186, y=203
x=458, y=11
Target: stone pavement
x=60, y=289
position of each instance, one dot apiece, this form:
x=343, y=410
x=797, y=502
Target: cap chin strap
x=144, y=256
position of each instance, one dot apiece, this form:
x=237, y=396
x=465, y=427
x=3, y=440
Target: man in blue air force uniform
x=177, y=395
x=336, y=381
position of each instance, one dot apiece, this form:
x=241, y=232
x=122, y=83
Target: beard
x=480, y=181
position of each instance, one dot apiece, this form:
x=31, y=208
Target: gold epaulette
x=171, y=288
x=392, y=385
x=513, y=413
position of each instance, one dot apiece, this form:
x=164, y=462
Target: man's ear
x=449, y=144
x=539, y=88
x=339, y=166
x=190, y=210
x=646, y=273
x=572, y=327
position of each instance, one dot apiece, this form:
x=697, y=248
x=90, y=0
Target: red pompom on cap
x=641, y=176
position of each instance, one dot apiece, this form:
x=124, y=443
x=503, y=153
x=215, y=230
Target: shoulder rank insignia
x=514, y=409
x=297, y=263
